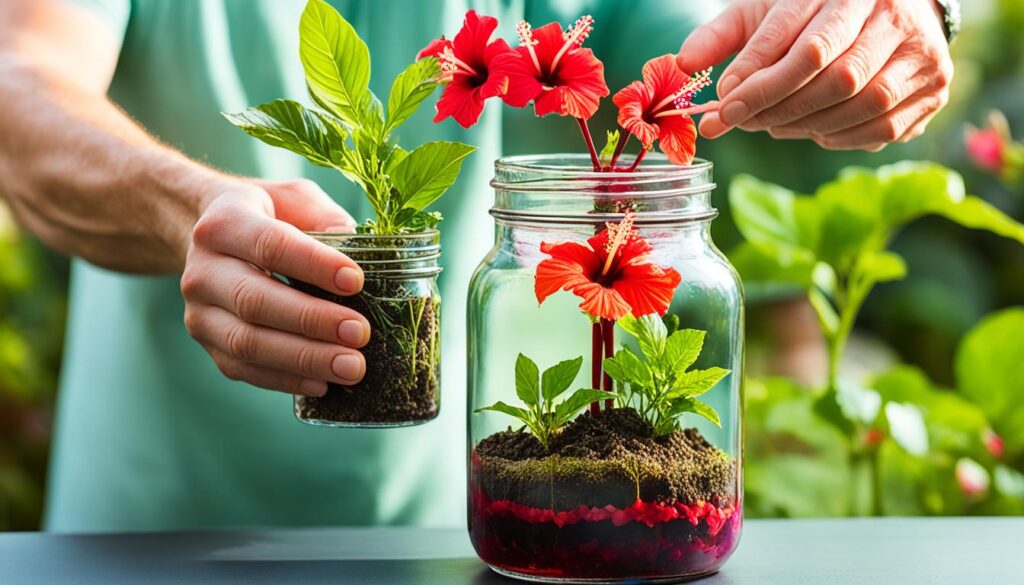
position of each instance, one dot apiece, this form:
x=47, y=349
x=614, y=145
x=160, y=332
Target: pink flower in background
x=972, y=477
x=993, y=443
x=987, y=146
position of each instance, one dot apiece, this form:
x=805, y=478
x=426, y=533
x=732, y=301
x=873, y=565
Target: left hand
x=848, y=74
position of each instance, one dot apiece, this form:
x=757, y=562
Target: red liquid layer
x=646, y=540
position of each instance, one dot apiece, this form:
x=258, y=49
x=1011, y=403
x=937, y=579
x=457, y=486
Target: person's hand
x=848, y=74
x=256, y=328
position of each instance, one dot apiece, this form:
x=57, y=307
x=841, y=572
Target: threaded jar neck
x=389, y=256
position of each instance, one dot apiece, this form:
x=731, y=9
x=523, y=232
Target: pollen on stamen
x=691, y=88
x=620, y=233
x=525, y=32
x=580, y=30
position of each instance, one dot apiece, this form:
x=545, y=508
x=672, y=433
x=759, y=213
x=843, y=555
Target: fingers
x=897, y=81
x=266, y=348
x=714, y=42
x=893, y=127
x=234, y=230
x=773, y=37
x=841, y=80
x=306, y=206
x=256, y=298
x=266, y=377
x=829, y=34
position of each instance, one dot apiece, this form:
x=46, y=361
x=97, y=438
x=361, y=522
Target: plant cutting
x=352, y=131
x=620, y=491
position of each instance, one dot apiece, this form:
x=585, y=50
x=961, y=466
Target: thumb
x=305, y=205
x=713, y=42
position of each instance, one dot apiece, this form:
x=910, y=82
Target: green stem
x=876, y=484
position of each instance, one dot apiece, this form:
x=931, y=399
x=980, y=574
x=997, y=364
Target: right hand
x=256, y=328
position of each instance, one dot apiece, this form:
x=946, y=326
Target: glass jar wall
x=400, y=299
x=614, y=493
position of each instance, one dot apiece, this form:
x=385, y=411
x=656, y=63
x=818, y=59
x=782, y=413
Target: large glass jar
x=609, y=497
x=400, y=299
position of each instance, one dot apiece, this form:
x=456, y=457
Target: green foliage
x=542, y=415
x=833, y=244
x=609, y=147
x=660, y=385
x=353, y=132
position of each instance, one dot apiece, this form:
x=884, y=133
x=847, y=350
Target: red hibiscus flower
x=659, y=108
x=612, y=274
x=987, y=146
x=555, y=72
x=475, y=68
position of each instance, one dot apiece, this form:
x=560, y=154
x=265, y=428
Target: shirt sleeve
x=114, y=13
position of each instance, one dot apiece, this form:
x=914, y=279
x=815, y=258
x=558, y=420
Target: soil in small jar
x=401, y=384
x=608, y=500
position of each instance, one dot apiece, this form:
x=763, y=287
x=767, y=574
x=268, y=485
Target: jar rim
x=654, y=165
x=419, y=258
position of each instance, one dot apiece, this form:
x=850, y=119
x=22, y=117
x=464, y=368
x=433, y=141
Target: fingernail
x=313, y=388
x=349, y=280
x=728, y=84
x=348, y=367
x=353, y=333
x=734, y=113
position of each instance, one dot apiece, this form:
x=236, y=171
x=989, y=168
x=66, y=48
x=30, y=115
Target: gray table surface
x=904, y=551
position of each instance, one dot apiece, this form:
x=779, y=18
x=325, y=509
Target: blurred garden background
x=929, y=418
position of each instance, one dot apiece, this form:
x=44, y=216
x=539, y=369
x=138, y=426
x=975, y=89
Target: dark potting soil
x=609, y=501
x=609, y=459
x=401, y=384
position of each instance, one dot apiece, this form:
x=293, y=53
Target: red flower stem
x=618, y=151
x=595, y=366
x=590, y=143
x=608, y=334
x=636, y=162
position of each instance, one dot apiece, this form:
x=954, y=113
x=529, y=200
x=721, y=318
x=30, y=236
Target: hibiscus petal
x=460, y=100
x=573, y=252
x=646, y=287
x=664, y=77
x=632, y=250
x=549, y=42
x=632, y=100
x=678, y=138
x=522, y=77
x=470, y=43
x=554, y=274
x=602, y=302
x=434, y=48
x=581, y=75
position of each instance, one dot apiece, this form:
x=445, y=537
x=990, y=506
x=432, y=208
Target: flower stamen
x=450, y=64
x=525, y=32
x=574, y=37
x=618, y=234
x=682, y=98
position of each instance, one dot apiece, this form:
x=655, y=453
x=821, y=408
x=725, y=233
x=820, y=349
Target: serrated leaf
x=697, y=382
x=579, y=400
x=428, y=171
x=409, y=89
x=559, y=377
x=510, y=410
x=650, y=333
x=336, y=61
x=287, y=124
x=527, y=381
x=626, y=368
x=682, y=349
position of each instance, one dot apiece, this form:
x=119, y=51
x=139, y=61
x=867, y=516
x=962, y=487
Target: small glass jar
x=400, y=299
x=655, y=508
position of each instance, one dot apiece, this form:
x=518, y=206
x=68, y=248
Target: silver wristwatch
x=951, y=17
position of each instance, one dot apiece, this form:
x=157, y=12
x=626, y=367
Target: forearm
x=89, y=181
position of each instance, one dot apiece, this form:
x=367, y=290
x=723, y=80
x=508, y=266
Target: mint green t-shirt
x=149, y=434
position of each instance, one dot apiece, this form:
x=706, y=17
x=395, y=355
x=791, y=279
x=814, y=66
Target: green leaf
x=427, y=172
x=501, y=407
x=336, y=61
x=906, y=425
x=882, y=266
x=697, y=382
x=608, y=151
x=776, y=220
x=682, y=349
x=827, y=317
x=559, y=377
x=761, y=264
x=683, y=405
x=990, y=372
x=912, y=189
x=707, y=412
x=409, y=89
x=671, y=322
x=975, y=213
x=416, y=220
x=626, y=368
x=527, y=380
x=287, y=124
x=579, y=400
x=650, y=333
